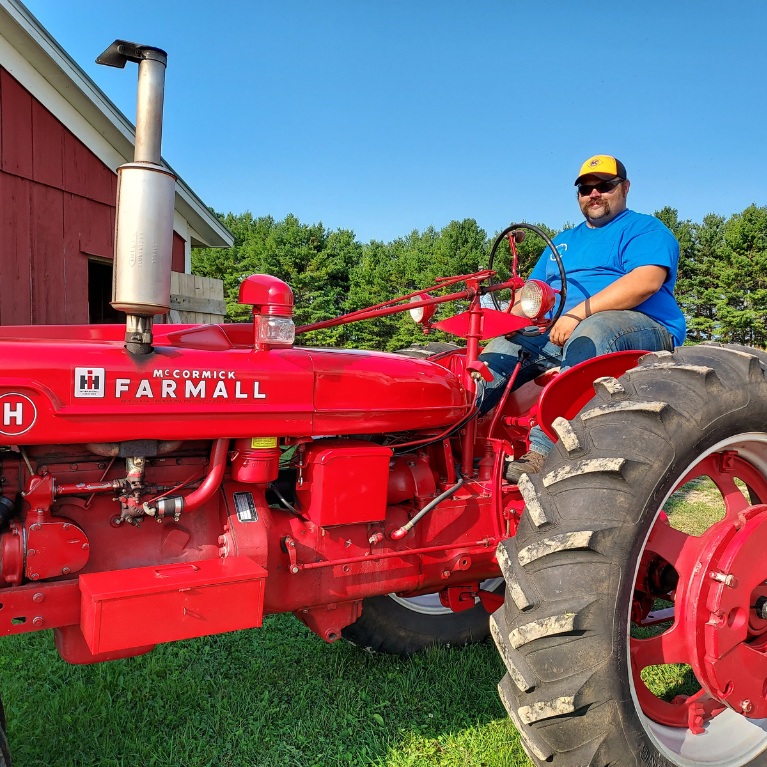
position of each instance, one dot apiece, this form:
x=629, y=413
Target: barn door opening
x=100, y=294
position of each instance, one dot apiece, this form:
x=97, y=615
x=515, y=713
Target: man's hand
x=563, y=329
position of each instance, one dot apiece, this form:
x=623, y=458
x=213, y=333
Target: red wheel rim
x=715, y=629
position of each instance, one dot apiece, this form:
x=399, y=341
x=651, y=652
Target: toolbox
x=142, y=606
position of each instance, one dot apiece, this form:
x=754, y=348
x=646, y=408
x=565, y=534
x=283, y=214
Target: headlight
x=277, y=331
x=536, y=299
x=421, y=313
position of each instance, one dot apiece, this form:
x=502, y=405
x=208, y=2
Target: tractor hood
x=77, y=384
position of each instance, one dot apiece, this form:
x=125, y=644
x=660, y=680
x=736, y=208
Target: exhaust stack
x=145, y=204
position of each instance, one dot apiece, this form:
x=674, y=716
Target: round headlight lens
x=531, y=299
x=417, y=313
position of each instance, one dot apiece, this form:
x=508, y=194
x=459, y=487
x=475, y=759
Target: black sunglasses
x=584, y=190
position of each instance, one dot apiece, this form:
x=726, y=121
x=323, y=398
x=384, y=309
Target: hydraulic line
x=499, y=407
x=289, y=506
x=172, y=507
x=406, y=528
x=450, y=429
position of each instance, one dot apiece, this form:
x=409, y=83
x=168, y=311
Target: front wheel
x=636, y=632
x=407, y=625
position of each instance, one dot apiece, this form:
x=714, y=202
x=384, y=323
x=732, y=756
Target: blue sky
x=383, y=117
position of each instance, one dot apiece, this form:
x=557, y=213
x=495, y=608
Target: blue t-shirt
x=595, y=258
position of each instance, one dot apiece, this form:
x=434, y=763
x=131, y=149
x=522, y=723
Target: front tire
x=405, y=626
x=586, y=543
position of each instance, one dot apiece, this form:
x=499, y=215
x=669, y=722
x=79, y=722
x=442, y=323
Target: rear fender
x=568, y=392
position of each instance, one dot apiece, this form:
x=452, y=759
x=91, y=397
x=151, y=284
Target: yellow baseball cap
x=602, y=166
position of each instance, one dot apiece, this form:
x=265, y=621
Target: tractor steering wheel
x=533, y=330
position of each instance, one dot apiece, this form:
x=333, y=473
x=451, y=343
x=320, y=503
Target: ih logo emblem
x=89, y=382
x=17, y=414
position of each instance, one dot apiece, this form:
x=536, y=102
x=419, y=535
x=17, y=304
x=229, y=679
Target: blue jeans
x=601, y=333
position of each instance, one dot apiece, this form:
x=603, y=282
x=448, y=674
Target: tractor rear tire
x=564, y=630
x=404, y=627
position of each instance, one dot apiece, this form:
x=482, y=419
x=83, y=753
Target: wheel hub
x=729, y=657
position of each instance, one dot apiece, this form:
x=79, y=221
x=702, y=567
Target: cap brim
x=602, y=176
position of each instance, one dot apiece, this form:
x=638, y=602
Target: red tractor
x=177, y=481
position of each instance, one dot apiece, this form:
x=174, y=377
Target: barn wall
x=57, y=204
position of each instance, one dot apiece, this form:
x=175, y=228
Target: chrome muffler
x=145, y=204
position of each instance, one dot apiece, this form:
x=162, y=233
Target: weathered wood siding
x=196, y=300
x=57, y=208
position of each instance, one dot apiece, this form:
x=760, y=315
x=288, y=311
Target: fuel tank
x=74, y=384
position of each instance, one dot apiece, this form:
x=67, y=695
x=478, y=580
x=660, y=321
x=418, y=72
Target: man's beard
x=593, y=205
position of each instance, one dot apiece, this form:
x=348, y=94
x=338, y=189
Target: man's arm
x=625, y=293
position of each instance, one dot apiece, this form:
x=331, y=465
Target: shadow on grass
x=271, y=697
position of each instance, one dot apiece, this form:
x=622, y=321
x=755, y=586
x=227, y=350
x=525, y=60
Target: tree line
x=721, y=286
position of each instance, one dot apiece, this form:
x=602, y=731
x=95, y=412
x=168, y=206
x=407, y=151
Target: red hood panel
x=382, y=392
x=65, y=389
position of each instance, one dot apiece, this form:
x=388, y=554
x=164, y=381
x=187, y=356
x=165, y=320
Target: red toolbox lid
x=117, y=584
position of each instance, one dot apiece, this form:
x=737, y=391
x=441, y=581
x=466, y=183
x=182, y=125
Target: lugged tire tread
x=699, y=385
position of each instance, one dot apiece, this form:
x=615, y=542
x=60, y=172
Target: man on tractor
x=621, y=269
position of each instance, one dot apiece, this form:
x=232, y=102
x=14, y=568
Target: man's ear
x=627, y=184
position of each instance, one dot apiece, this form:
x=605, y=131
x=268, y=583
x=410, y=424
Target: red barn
x=61, y=141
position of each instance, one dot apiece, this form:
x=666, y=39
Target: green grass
x=271, y=697
x=696, y=506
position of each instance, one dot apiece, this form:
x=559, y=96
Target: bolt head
x=36, y=526
x=294, y=569
x=86, y=545
x=66, y=526
x=37, y=621
x=31, y=552
x=34, y=576
x=65, y=570
x=38, y=597
x=747, y=706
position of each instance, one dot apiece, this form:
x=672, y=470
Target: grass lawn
x=272, y=697
x=280, y=697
